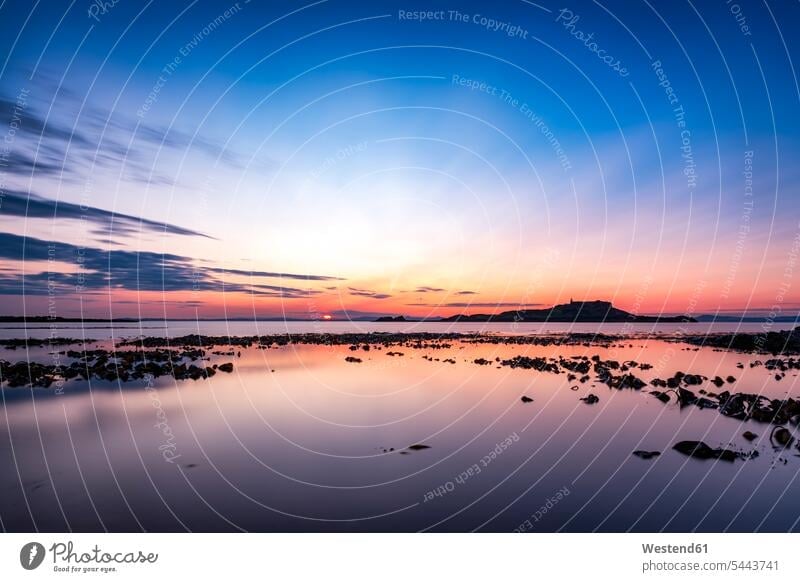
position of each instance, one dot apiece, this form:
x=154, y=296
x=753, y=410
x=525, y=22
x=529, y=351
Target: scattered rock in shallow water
x=590, y=399
x=524, y=362
x=225, y=367
x=418, y=447
x=750, y=436
x=626, y=381
x=705, y=403
x=700, y=450
x=675, y=381
x=526, y=399
x=662, y=396
x=353, y=359
x=686, y=397
x=646, y=454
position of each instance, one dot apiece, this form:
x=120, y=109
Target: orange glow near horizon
x=344, y=304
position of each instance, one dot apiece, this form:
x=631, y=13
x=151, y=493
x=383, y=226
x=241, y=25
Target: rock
x=696, y=449
x=662, y=396
x=526, y=399
x=705, y=403
x=227, y=367
x=732, y=405
x=646, y=454
x=718, y=381
x=700, y=450
x=730, y=379
x=686, y=397
x=750, y=436
x=540, y=364
x=782, y=436
x=627, y=381
x=590, y=399
x=418, y=447
x=353, y=359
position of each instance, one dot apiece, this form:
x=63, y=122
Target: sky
x=348, y=159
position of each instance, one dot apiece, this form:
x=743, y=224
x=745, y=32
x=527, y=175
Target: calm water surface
x=295, y=439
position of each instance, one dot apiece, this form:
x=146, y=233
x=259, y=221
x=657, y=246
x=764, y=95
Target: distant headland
x=572, y=312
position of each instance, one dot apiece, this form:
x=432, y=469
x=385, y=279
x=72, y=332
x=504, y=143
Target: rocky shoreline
x=190, y=358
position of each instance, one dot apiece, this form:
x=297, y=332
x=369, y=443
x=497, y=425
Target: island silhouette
x=597, y=311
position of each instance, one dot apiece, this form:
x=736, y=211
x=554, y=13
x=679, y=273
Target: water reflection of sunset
x=302, y=430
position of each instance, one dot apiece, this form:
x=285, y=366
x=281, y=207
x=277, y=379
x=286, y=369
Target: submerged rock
x=782, y=436
x=526, y=399
x=590, y=399
x=646, y=454
x=750, y=436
